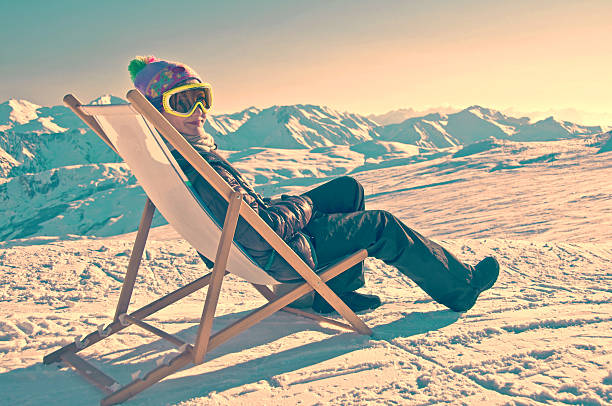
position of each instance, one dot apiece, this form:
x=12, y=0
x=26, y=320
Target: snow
x=437, y=126
x=541, y=335
x=228, y=123
x=568, y=114
x=378, y=149
x=47, y=123
x=22, y=115
x=296, y=127
x=606, y=146
x=107, y=99
x=22, y=111
x=397, y=116
x=508, y=130
x=7, y=163
x=477, y=123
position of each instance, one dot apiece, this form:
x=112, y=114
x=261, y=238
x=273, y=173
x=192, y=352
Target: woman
x=321, y=225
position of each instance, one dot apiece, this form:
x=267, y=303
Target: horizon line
x=512, y=112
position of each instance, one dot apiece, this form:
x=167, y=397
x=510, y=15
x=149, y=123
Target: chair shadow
x=262, y=368
x=269, y=330
x=174, y=390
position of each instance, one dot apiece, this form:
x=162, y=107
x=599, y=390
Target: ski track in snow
x=541, y=335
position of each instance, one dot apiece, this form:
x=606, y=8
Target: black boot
x=484, y=276
x=357, y=302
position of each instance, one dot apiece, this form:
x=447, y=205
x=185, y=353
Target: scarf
x=201, y=144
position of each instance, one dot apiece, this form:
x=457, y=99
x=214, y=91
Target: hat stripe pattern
x=158, y=76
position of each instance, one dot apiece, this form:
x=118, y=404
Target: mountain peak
x=21, y=103
x=489, y=114
x=482, y=110
x=401, y=115
x=21, y=111
x=107, y=99
x=252, y=109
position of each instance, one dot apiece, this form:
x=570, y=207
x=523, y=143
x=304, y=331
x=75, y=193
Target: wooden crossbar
x=141, y=313
x=158, y=332
x=89, y=372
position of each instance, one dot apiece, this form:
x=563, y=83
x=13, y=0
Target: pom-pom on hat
x=153, y=76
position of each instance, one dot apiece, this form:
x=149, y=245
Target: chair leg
x=317, y=284
x=277, y=304
x=154, y=376
x=212, y=296
x=269, y=294
x=135, y=258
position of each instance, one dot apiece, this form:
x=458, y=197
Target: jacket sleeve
x=286, y=216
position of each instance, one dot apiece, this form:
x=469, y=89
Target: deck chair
x=135, y=132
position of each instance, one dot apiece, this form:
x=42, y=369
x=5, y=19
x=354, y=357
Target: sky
x=359, y=56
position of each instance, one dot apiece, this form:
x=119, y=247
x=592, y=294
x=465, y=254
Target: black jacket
x=287, y=216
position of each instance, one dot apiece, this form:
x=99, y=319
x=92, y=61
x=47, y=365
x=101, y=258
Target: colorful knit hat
x=154, y=76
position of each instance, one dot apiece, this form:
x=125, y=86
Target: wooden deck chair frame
x=205, y=341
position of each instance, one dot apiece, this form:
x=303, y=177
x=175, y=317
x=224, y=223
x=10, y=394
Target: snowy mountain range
x=478, y=123
x=400, y=115
x=605, y=142
x=299, y=126
x=309, y=126
x=58, y=178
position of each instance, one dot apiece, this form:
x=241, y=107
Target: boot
x=484, y=276
x=357, y=302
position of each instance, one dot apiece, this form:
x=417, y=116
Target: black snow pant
x=341, y=226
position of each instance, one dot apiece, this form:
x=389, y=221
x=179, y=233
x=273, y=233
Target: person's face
x=192, y=125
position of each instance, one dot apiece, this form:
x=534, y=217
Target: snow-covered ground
x=541, y=335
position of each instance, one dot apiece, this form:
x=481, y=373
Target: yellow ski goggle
x=183, y=100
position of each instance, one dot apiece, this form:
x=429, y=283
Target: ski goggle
x=183, y=100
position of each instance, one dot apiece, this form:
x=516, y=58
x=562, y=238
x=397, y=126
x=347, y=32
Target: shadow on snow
x=39, y=383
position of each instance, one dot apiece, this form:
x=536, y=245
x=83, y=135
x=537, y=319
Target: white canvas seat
x=160, y=176
x=135, y=132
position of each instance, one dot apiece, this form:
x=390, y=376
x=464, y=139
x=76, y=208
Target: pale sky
x=358, y=56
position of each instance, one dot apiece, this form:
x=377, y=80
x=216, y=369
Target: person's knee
x=386, y=215
x=388, y=239
x=359, y=187
x=383, y=217
x=388, y=221
x=357, y=190
x=350, y=181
